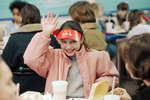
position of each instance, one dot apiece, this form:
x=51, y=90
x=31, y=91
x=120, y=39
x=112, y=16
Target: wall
x=61, y=6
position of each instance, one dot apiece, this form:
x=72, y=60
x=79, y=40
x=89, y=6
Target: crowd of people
x=38, y=53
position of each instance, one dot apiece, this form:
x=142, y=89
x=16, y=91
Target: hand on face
x=70, y=47
x=51, y=23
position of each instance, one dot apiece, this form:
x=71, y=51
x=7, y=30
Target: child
x=15, y=8
x=8, y=89
x=136, y=54
x=79, y=65
x=122, y=15
x=138, y=23
x=83, y=13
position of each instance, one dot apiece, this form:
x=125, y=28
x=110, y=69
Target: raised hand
x=50, y=24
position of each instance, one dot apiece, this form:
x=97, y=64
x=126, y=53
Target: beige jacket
x=94, y=38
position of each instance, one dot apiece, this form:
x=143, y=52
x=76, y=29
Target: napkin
x=98, y=90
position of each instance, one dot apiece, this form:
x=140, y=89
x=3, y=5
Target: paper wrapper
x=122, y=93
x=99, y=90
x=31, y=95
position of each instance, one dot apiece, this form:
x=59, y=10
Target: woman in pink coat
x=79, y=66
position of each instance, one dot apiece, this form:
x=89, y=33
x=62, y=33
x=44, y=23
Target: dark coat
x=13, y=55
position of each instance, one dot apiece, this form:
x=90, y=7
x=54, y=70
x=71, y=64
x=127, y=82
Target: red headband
x=67, y=33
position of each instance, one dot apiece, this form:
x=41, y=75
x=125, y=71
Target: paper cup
x=111, y=97
x=59, y=90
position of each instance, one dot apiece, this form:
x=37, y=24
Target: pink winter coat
x=94, y=65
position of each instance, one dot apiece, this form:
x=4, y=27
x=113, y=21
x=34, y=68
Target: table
x=111, y=38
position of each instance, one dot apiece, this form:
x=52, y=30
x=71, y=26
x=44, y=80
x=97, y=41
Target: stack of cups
x=127, y=25
x=59, y=90
x=109, y=28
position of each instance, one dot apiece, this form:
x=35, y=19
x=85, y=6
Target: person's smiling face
x=69, y=46
x=16, y=16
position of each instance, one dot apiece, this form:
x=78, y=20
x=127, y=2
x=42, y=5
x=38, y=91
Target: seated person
x=122, y=17
x=86, y=18
x=8, y=89
x=14, y=50
x=79, y=65
x=138, y=23
x=15, y=7
x=98, y=11
x=136, y=54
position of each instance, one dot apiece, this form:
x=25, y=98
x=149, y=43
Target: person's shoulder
x=97, y=53
x=137, y=28
x=147, y=26
x=142, y=25
x=142, y=28
x=16, y=34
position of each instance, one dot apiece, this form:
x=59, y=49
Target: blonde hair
x=135, y=17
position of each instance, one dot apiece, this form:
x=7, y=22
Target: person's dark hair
x=81, y=11
x=17, y=4
x=123, y=6
x=136, y=52
x=30, y=14
x=135, y=17
x=75, y=26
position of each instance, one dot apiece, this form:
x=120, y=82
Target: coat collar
x=89, y=25
x=81, y=52
x=29, y=28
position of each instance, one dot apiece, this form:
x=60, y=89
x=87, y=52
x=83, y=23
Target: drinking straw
x=113, y=84
x=60, y=67
x=18, y=89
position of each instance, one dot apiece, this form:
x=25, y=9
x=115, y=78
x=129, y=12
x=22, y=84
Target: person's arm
x=106, y=70
x=38, y=55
